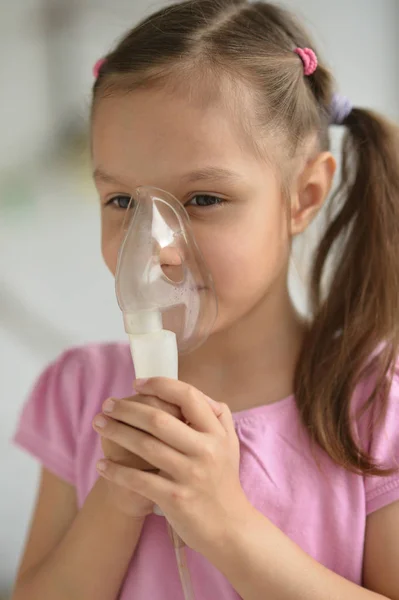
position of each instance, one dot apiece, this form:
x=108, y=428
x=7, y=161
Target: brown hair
x=359, y=314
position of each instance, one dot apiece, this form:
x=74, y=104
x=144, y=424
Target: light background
x=54, y=290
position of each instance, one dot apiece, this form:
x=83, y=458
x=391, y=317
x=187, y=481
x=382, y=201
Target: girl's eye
x=205, y=200
x=121, y=202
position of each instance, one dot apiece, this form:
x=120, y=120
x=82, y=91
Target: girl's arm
x=381, y=554
x=262, y=562
x=73, y=555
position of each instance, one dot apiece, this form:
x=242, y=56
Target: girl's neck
x=253, y=362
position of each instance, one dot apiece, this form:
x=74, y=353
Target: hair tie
x=97, y=67
x=340, y=108
x=309, y=60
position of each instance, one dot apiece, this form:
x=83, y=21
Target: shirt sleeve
x=384, y=448
x=48, y=425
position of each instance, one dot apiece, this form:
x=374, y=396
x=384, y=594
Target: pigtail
x=356, y=324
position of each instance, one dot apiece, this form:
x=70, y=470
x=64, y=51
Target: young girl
x=285, y=485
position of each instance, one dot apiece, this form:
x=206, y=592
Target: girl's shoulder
x=65, y=397
x=373, y=418
x=376, y=428
x=82, y=373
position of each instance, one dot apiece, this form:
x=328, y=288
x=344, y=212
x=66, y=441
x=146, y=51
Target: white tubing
x=181, y=559
x=154, y=354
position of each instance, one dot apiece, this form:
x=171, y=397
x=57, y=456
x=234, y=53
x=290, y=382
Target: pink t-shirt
x=323, y=510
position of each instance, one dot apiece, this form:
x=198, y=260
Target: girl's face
x=201, y=156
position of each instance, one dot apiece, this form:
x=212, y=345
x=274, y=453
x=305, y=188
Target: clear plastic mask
x=162, y=281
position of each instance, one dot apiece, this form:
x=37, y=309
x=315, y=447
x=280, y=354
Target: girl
x=285, y=485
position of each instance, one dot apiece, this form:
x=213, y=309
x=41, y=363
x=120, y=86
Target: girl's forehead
x=156, y=125
x=162, y=109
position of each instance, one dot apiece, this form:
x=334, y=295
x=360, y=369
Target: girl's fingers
x=147, y=484
x=225, y=418
x=138, y=442
x=193, y=403
x=156, y=422
x=157, y=403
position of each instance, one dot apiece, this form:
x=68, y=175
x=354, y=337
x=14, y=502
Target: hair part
x=250, y=46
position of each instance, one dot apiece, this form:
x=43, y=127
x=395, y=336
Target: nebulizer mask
x=166, y=295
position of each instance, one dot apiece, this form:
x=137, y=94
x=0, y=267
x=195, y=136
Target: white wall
x=54, y=291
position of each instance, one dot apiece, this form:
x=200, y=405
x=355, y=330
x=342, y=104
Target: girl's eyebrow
x=210, y=172
x=204, y=173
x=100, y=175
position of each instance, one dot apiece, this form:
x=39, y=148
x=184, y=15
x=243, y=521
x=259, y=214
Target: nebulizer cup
x=166, y=295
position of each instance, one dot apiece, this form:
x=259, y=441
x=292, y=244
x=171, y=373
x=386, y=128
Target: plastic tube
x=181, y=559
x=154, y=355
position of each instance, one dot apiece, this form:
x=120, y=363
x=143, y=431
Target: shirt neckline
x=257, y=411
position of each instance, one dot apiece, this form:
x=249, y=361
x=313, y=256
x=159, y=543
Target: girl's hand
x=121, y=455
x=198, y=488
x=125, y=500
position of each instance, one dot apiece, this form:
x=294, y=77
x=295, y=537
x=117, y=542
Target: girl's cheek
x=110, y=249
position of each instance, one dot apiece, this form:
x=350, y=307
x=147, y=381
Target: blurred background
x=54, y=290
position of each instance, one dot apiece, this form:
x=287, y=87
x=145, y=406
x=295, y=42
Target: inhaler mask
x=162, y=281
x=167, y=297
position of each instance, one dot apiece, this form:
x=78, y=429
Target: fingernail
x=108, y=405
x=101, y=466
x=100, y=422
x=212, y=402
x=139, y=383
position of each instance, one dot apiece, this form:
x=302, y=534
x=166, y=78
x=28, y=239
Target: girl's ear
x=313, y=186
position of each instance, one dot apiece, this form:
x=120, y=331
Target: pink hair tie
x=97, y=67
x=309, y=59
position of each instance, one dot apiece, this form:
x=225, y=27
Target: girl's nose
x=171, y=263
